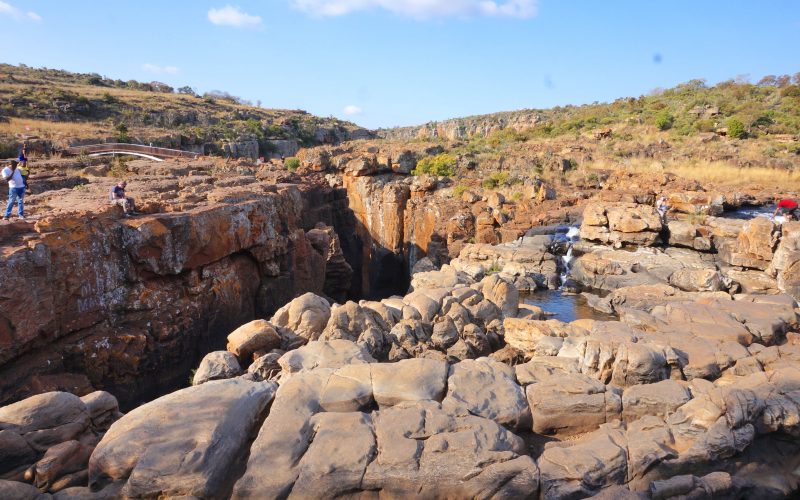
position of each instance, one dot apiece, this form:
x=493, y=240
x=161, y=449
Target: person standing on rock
x=662, y=207
x=117, y=197
x=16, y=190
x=788, y=208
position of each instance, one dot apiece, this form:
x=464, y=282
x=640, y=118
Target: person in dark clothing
x=117, y=197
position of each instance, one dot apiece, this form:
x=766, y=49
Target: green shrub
x=516, y=196
x=119, y=167
x=83, y=158
x=498, y=179
x=442, y=165
x=736, y=128
x=459, y=190
x=292, y=163
x=122, y=132
x=704, y=125
x=664, y=120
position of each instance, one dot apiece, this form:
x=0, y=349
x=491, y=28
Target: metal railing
x=119, y=147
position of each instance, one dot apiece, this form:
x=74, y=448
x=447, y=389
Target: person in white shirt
x=16, y=189
x=662, y=206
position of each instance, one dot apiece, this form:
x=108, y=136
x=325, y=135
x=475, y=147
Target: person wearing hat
x=16, y=189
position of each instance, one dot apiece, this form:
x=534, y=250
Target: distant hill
x=772, y=106
x=66, y=108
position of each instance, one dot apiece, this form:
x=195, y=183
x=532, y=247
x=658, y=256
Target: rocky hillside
x=772, y=106
x=54, y=108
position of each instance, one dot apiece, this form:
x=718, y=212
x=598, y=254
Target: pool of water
x=563, y=306
x=747, y=213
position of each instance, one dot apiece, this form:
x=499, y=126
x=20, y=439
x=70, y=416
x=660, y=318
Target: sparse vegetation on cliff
x=771, y=106
x=292, y=164
x=441, y=165
x=60, y=107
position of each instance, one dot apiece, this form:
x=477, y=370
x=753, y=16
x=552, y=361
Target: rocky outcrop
x=46, y=440
x=148, y=449
x=712, y=255
x=621, y=224
x=785, y=265
x=530, y=262
x=220, y=253
x=410, y=441
x=636, y=404
x=463, y=128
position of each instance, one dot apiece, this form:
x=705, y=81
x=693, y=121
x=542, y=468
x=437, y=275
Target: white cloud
x=352, y=110
x=233, y=16
x=17, y=14
x=158, y=70
x=422, y=9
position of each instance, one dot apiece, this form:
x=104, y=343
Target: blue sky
x=405, y=62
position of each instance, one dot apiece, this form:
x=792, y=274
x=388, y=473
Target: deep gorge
x=132, y=306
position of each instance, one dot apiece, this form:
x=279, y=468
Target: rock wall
x=709, y=254
x=130, y=305
x=462, y=128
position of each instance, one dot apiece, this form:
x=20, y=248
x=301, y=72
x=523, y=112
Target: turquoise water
x=564, y=306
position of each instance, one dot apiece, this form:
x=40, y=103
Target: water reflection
x=747, y=213
x=564, y=306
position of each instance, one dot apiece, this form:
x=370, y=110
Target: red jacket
x=787, y=204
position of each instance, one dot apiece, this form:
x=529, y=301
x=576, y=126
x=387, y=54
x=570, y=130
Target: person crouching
x=117, y=197
x=787, y=207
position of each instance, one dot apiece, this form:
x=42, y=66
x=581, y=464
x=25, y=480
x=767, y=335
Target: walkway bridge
x=119, y=148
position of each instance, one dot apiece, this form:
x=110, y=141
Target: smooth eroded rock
x=182, y=444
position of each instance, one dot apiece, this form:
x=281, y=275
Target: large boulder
x=184, y=444
x=697, y=280
x=487, y=388
x=584, y=469
x=306, y=316
x=361, y=325
x=501, y=293
x=14, y=490
x=697, y=202
x=215, y=366
x=660, y=399
x=45, y=420
x=409, y=380
x=621, y=224
x=414, y=448
x=324, y=354
x=785, y=265
x=755, y=245
x=255, y=336
x=570, y=404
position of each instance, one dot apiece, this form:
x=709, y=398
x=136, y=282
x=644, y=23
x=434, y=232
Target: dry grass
x=19, y=127
x=717, y=172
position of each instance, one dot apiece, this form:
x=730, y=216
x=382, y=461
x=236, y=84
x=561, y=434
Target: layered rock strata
x=83, y=285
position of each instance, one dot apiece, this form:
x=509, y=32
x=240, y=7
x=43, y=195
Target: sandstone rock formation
x=215, y=248
x=46, y=440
